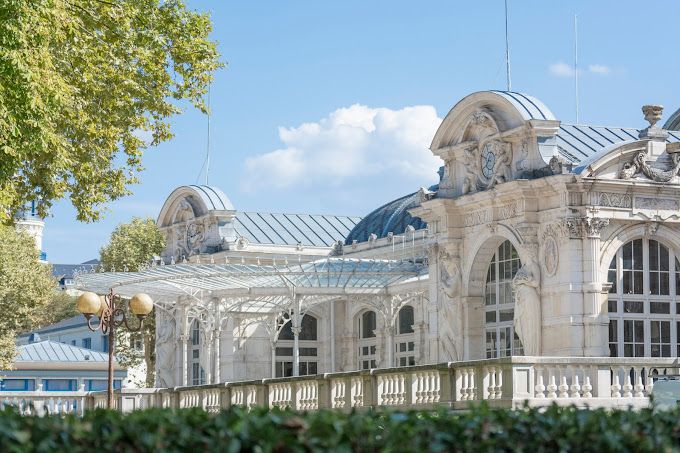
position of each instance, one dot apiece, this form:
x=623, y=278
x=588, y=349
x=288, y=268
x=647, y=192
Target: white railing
x=506, y=382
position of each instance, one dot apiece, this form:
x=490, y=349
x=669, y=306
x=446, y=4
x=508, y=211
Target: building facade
x=540, y=239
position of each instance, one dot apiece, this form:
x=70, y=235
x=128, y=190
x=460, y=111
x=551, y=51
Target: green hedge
x=481, y=429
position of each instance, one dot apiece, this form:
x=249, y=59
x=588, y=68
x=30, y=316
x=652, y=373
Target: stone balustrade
x=507, y=382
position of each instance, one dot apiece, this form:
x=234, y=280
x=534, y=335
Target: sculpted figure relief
x=195, y=237
x=527, y=319
x=451, y=322
x=165, y=349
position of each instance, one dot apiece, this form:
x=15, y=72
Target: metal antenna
x=576, y=64
x=207, y=151
x=507, y=49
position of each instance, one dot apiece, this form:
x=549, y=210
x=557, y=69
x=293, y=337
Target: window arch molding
x=367, y=336
x=622, y=236
x=483, y=250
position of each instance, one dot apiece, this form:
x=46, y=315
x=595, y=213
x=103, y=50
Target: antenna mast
x=207, y=151
x=507, y=50
x=576, y=64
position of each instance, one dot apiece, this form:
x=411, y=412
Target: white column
x=208, y=356
x=273, y=348
x=185, y=358
x=217, y=334
x=296, y=321
x=332, y=335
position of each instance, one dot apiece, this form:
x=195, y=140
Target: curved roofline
x=212, y=199
x=524, y=106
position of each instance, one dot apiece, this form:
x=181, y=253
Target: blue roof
x=392, y=217
x=213, y=198
x=64, y=324
x=529, y=107
x=51, y=351
x=576, y=143
x=293, y=229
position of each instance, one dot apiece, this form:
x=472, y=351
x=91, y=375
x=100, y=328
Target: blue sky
x=328, y=107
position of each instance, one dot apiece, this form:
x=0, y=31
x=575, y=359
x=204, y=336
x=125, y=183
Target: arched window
x=367, y=340
x=499, y=302
x=309, y=348
x=644, y=317
x=195, y=369
x=405, y=339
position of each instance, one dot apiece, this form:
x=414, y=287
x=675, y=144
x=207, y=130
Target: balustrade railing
x=505, y=382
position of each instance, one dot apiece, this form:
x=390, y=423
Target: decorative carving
x=509, y=210
x=338, y=248
x=557, y=230
x=523, y=152
x=194, y=238
x=593, y=226
x=651, y=228
x=664, y=204
x=639, y=165
x=585, y=226
x=615, y=200
x=165, y=349
x=487, y=164
x=478, y=217
x=550, y=256
x=184, y=212
x=242, y=243
x=527, y=316
x=450, y=307
x=424, y=195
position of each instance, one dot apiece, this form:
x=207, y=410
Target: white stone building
x=541, y=239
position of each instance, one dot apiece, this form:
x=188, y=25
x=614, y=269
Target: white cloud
x=561, y=69
x=349, y=145
x=599, y=69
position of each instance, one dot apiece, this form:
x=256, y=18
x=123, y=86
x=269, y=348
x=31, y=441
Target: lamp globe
x=141, y=304
x=88, y=303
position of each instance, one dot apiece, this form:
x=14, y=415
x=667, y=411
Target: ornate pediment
x=486, y=165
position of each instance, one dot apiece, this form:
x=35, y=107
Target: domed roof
x=392, y=217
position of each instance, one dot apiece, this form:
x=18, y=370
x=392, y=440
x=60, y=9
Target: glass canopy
x=254, y=288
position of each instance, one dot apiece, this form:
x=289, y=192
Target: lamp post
x=111, y=317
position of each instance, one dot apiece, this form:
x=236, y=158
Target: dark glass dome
x=392, y=217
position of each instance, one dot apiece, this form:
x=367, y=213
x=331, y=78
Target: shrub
x=480, y=429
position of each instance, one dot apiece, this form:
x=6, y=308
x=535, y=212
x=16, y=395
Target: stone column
x=296, y=327
x=216, y=353
x=184, y=340
x=208, y=356
x=595, y=316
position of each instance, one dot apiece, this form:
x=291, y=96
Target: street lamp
x=110, y=317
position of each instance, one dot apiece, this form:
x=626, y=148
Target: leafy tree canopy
x=132, y=245
x=26, y=287
x=81, y=82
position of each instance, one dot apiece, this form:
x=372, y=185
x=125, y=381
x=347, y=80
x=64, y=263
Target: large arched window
x=309, y=348
x=499, y=302
x=196, y=371
x=644, y=317
x=404, y=343
x=368, y=343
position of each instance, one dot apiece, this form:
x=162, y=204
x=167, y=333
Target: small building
x=53, y=366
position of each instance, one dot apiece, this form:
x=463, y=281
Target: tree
x=61, y=305
x=132, y=245
x=81, y=83
x=26, y=287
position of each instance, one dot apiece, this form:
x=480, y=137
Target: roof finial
x=653, y=114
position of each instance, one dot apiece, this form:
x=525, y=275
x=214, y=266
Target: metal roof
x=67, y=270
x=529, y=107
x=51, y=351
x=579, y=142
x=266, y=288
x=213, y=197
x=392, y=217
x=64, y=324
x=293, y=229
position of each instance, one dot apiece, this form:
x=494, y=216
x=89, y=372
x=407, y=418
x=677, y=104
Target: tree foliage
x=61, y=305
x=133, y=245
x=81, y=83
x=26, y=287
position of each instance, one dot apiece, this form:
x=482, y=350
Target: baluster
x=463, y=383
x=499, y=383
x=639, y=386
x=650, y=383
x=539, y=387
x=616, y=387
x=627, y=385
x=587, y=388
x=552, y=387
x=472, y=389
x=575, y=387
x=491, y=389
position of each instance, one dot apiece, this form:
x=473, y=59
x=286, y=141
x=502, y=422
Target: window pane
x=633, y=307
x=637, y=254
x=664, y=260
x=612, y=306
x=637, y=282
x=491, y=316
x=653, y=255
x=406, y=320
x=368, y=324
x=628, y=256
x=308, y=325
x=660, y=307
